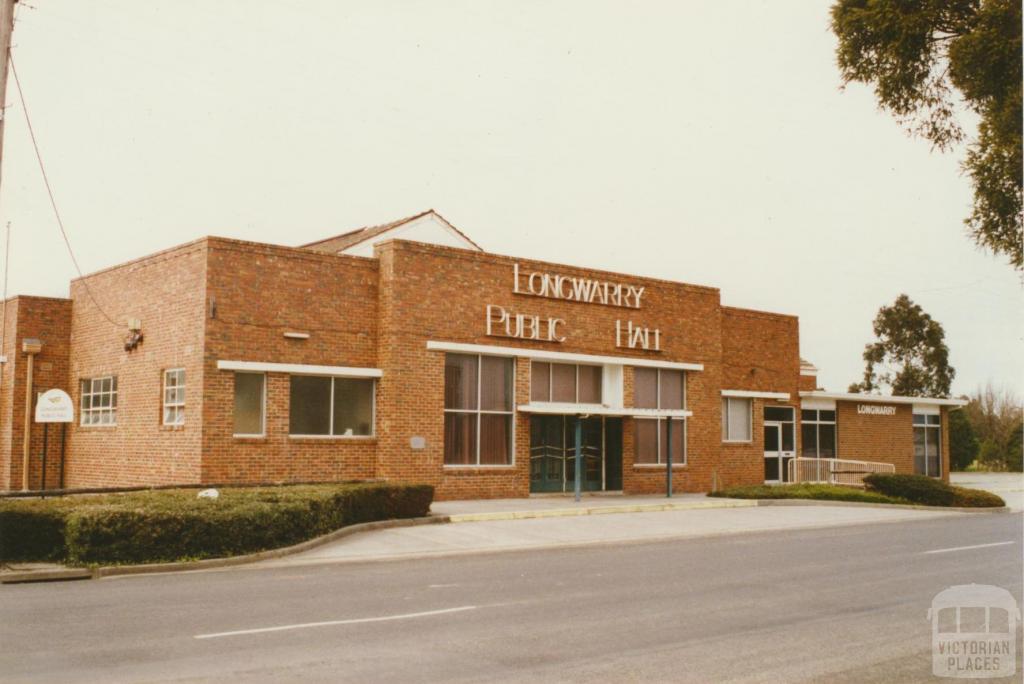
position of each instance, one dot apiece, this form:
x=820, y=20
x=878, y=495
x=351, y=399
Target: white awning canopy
x=880, y=399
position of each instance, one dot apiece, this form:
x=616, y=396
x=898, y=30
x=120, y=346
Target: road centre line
x=330, y=623
x=967, y=548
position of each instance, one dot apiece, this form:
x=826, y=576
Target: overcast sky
x=705, y=142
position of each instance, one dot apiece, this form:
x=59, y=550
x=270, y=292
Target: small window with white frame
x=99, y=401
x=737, y=420
x=174, y=396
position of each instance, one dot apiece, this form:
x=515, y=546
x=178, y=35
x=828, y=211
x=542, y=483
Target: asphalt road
x=845, y=604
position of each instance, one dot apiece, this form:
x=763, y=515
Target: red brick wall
x=48, y=320
x=165, y=292
x=886, y=439
x=256, y=293
x=435, y=293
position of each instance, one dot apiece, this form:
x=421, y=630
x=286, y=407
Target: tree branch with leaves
x=918, y=54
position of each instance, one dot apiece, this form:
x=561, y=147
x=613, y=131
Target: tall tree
x=918, y=54
x=963, y=443
x=995, y=415
x=909, y=356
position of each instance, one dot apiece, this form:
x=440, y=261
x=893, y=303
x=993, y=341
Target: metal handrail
x=835, y=471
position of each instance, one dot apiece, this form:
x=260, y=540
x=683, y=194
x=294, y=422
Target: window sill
x=334, y=438
x=172, y=428
x=97, y=427
x=249, y=438
x=657, y=466
x=471, y=466
x=737, y=442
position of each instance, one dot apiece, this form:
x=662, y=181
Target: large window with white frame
x=250, y=404
x=659, y=388
x=174, y=396
x=99, y=400
x=927, y=444
x=478, y=395
x=565, y=383
x=323, y=406
x=737, y=419
x=818, y=433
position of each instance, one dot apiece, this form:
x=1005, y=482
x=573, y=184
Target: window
x=174, y=396
x=818, y=433
x=565, y=382
x=784, y=415
x=737, y=420
x=927, y=447
x=659, y=388
x=320, y=406
x=99, y=401
x=250, y=402
x=477, y=410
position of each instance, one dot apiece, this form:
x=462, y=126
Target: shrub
x=820, y=492
x=929, y=491
x=170, y=525
x=965, y=497
x=32, y=531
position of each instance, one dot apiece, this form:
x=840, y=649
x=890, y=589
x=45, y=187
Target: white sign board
x=55, y=406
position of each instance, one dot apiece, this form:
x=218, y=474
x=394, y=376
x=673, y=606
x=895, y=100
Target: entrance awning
x=601, y=410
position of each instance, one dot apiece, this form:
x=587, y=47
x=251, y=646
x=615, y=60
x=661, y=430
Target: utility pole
x=6, y=29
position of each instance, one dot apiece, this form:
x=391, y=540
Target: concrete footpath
x=596, y=527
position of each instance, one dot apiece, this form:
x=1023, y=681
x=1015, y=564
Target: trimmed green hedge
x=169, y=525
x=929, y=491
x=820, y=492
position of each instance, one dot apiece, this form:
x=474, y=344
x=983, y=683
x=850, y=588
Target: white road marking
x=966, y=548
x=329, y=623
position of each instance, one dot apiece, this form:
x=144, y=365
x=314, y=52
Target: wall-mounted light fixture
x=134, y=338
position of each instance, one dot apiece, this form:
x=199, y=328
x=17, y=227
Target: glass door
x=547, y=454
x=773, y=472
x=553, y=454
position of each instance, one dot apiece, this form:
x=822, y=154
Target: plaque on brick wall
x=54, y=406
x=418, y=443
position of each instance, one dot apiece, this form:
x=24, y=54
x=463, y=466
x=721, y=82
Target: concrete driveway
x=1010, y=486
x=608, y=528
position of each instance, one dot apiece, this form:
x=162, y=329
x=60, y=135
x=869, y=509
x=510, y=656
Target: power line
x=49, y=191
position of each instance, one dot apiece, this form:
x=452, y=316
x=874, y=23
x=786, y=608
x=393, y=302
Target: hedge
x=929, y=491
x=819, y=492
x=170, y=525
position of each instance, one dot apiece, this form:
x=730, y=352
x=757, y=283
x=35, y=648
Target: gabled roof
x=340, y=243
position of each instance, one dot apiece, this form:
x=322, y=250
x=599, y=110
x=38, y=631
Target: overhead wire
x=49, y=192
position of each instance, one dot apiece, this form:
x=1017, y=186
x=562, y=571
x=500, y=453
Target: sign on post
x=55, y=406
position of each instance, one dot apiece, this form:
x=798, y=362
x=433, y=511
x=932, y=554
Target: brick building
x=406, y=352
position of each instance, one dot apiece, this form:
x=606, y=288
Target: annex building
x=405, y=352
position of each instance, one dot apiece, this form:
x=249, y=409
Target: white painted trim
x=927, y=409
x=751, y=394
x=299, y=369
x=879, y=399
x=817, y=404
x=601, y=410
x=297, y=335
x=558, y=357
x=809, y=371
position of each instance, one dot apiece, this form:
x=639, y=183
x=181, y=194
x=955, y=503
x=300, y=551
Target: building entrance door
x=553, y=454
x=773, y=466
